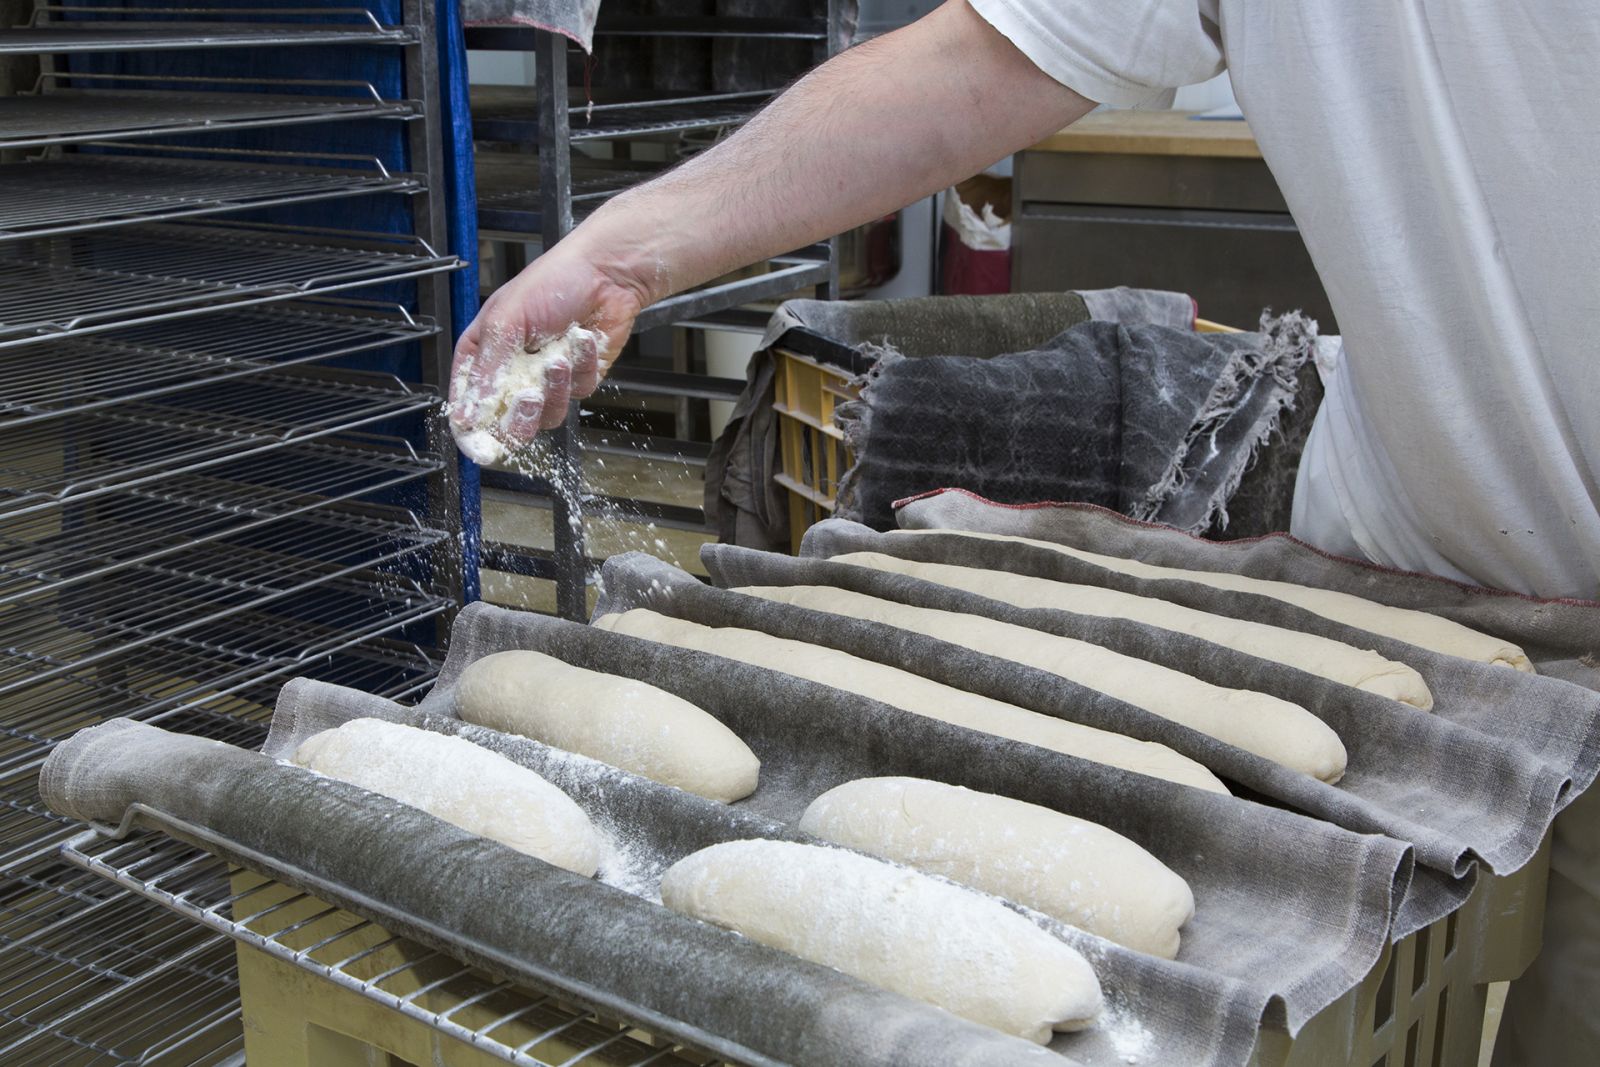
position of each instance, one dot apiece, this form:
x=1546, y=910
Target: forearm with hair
x=871, y=130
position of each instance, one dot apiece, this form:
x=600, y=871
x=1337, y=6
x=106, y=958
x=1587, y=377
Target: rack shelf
x=86, y=193
x=43, y=383
x=508, y=189
x=66, y=286
x=54, y=918
x=495, y=1017
x=89, y=29
x=506, y=113
x=213, y=425
x=146, y=525
x=785, y=274
x=76, y=116
x=69, y=947
x=189, y=596
x=521, y=38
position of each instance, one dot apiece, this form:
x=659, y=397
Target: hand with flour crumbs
x=863, y=135
x=546, y=337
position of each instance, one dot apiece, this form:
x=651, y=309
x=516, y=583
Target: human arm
x=871, y=130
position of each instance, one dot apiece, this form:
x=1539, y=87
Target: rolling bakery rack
x=220, y=352
x=663, y=80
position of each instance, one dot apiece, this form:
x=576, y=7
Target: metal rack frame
x=545, y=211
x=185, y=484
x=507, y=1021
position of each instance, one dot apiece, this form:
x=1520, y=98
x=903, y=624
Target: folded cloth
x=1154, y=422
x=748, y=507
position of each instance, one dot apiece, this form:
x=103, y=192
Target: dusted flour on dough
x=893, y=927
x=523, y=376
x=1334, y=660
x=1402, y=624
x=1266, y=725
x=1074, y=870
x=916, y=694
x=480, y=791
x=620, y=721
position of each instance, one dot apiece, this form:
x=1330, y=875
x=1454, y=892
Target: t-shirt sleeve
x=1119, y=52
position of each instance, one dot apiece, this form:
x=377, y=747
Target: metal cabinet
x=1211, y=226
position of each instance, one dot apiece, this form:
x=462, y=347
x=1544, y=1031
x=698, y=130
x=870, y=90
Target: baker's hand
x=559, y=291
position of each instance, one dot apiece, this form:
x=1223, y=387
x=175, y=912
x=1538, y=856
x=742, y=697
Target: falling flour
x=523, y=377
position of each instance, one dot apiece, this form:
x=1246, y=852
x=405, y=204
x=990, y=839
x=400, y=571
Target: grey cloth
x=1557, y=722
x=742, y=500
x=749, y=508
x=980, y=326
x=1562, y=637
x=1140, y=307
x=506, y=912
x=654, y=826
x=1152, y=421
x=1449, y=781
x=1290, y=908
x=570, y=18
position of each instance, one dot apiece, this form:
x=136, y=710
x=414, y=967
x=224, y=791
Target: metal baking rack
x=195, y=506
x=80, y=283
x=510, y=1022
x=228, y=421
x=589, y=150
x=119, y=109
x=85, y=30
x=61, y=194
x=148, y=362
x=504, y=113
x=105, y=977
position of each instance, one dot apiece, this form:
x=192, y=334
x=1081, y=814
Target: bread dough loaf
x=895, y=928
x=1403, y=624
x=1272, y=728
x=1075, y=870
x=465, y=785
x=1321, y=656
x=620, y=721
x=914, y=693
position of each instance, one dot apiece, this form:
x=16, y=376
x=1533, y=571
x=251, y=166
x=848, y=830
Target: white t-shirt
x=1442, y=160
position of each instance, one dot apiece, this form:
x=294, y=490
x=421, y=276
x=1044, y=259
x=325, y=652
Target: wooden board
x=1154, y=133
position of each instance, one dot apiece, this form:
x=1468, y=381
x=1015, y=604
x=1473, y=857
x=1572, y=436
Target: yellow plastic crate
x=1422, y=1005
x=813, y=456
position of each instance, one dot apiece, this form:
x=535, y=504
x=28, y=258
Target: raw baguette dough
x=1321, y=656
x=620, y=721
x=895, y=928
x=916, y=694
x=1272, y=728
x=1403, y=624
x=452, y=779
x=1075, y=870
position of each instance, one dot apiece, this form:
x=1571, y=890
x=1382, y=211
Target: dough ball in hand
x=896, y=928
x=480, y=791
x=1069, y=868
x=620, y=721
